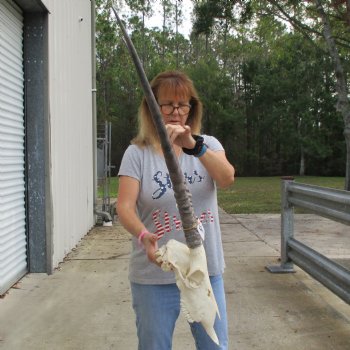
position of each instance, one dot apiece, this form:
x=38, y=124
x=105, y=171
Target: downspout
x=105, y=215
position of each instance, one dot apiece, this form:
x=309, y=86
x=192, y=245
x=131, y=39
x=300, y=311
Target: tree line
x=265, y=72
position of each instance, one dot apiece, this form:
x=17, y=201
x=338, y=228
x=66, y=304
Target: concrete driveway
x=86, y=303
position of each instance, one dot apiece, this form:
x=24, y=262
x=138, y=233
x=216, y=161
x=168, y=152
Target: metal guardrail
x=331, y=203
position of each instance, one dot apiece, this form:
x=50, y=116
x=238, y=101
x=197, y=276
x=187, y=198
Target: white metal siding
x=12, y=190
x=71, y=122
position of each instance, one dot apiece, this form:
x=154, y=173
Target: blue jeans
x=157, y=308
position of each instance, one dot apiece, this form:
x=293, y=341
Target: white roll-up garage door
x=13, y=261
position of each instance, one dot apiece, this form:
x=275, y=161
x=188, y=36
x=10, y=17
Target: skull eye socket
x=195, y=278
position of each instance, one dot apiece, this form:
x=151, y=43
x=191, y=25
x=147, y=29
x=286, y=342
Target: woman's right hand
x=150, y=242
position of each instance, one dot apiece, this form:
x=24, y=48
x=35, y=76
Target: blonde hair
x=176, y=83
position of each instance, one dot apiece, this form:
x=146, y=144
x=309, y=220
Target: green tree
x=269, y=91
x=292, y=97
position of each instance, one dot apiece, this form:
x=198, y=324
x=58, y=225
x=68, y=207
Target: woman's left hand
x=180, y=135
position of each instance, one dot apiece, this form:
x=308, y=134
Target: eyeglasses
x=168, y=109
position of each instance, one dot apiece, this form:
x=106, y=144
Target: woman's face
x=175, y=107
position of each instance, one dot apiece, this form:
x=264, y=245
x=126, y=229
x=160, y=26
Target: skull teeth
x=185, y=312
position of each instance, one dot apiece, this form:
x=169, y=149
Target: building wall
x=70, y=108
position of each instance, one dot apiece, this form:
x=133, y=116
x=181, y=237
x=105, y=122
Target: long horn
x=182, y=195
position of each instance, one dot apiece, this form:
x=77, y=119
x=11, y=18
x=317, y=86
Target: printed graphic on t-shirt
x=165, y=223
x=164, y=183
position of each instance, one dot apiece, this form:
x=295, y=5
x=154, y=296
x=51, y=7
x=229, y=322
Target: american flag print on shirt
x=163, y=224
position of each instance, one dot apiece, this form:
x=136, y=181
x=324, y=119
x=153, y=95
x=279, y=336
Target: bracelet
x=141, y=235
x=197, y=148
x=202, y=151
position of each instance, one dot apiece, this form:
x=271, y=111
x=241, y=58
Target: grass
x=252, y=195
x=113, y=188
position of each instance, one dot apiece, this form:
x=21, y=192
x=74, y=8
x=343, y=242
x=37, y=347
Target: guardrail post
x=287, y=229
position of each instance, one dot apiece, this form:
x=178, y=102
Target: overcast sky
x=185, y=28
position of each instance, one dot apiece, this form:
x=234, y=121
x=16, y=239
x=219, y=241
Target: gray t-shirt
x=158, y=211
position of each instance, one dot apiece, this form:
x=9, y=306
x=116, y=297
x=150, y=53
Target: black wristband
x=197, y=148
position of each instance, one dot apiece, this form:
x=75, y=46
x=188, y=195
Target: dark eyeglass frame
x=182, y=113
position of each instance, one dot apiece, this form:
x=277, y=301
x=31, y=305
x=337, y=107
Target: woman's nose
x=176, y=109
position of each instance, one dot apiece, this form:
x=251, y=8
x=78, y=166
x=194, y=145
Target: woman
x=147, y=209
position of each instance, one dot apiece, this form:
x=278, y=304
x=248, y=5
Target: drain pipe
x=106, y=217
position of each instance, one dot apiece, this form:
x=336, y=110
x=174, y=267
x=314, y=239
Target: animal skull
x=197, y=298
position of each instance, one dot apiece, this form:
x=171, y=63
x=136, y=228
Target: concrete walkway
x=86, y=303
